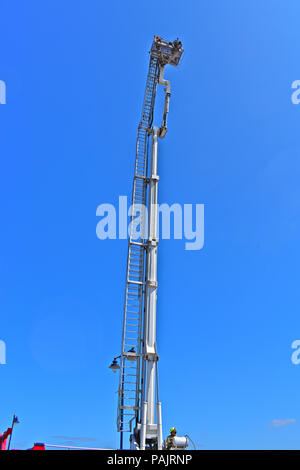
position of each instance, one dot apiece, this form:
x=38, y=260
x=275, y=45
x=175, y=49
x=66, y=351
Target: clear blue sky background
x=227, y=315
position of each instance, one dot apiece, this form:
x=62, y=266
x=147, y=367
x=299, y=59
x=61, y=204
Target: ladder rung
x=127, y=407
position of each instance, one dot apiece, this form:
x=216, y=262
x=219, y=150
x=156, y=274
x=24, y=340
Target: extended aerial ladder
x=138, y=381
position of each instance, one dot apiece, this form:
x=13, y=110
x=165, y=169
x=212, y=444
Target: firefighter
x=173, y=432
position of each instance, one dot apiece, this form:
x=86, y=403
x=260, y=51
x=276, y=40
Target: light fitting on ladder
x=114, y=365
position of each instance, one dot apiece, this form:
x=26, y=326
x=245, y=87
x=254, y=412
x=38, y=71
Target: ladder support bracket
x=152, y=284
x=152, y=242
x=151, y=357
x=154, y=178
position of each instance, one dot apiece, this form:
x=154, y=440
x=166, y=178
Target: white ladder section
x=129, y=384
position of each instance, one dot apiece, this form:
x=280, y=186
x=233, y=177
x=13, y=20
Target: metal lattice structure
x=132, y=358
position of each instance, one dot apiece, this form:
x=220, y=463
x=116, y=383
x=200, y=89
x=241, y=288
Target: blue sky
x=227, y=314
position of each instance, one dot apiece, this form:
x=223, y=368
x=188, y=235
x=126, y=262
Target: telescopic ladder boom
x=138, y=371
